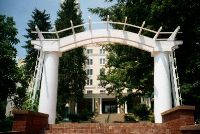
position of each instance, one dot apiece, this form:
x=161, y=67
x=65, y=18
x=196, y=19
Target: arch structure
x=159, y=48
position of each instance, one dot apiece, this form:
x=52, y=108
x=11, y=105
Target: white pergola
x=160, y=49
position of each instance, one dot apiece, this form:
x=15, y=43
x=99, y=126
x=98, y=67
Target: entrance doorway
x=109, y=106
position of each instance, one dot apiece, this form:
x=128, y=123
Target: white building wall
x=96, y=66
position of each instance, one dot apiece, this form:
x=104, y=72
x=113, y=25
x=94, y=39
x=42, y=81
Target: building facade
x=97, y=98
x=96, y=95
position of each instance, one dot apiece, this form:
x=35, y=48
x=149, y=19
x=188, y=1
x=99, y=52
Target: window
x=89, y=92
x=102, y=51
x=102, y=61
x=89, y=51
x=89, y=61
x=89, y=82
x=89, y=71
x=102, y=91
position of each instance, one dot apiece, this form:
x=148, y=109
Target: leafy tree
x=128, y=67
x=126, y=70
x=71, y=69
x=20, y=94
x=42, y=20
x=169, y=14
x=8, y=66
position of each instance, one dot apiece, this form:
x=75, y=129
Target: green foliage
x=6, y=124
x=8, y=66
x=82, y=116
x=71, y=67
x=20, y=95
x=142, y=111
x=128, y=68
x=28, y=103
x=168, y=14
x=130, y=118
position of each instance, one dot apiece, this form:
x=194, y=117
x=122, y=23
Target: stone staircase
x=101, y=118
x=109, y=118
x=107, y=128
x=119, y=118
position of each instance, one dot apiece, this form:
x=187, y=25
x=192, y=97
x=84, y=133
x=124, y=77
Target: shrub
x=142, y=111
x=6, y=124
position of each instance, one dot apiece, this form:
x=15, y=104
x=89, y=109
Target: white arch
x=159, y=48
x=104, y=35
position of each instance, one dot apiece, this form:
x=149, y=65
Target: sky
x=21, y=11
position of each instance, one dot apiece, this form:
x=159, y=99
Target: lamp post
x=66, y=119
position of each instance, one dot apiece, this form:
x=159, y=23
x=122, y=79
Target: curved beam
x=104, y=35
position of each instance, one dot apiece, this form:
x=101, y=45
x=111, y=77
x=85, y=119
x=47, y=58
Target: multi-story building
x=98, y=99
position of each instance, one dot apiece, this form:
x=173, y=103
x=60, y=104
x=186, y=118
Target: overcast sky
x=21, y=11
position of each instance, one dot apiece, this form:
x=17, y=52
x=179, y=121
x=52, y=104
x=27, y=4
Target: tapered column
x=49, y=85
x=93, y=104
x=100, y=105
x=162, y=86
x=125, y=108
x=75, y=108
x=118, y=109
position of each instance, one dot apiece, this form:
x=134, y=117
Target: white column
x=125, y=108
x=75, y=108
x=149, y=102
x=100, y=105
x=118, y=109
x=162, y=86
x=93, y=104
x=49, y=85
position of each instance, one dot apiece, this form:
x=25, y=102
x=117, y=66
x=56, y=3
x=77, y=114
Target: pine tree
x=71, y=72
x=42, y=20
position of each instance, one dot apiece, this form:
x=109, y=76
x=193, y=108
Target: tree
x=129, y=71
x=71, y=69
x=169, y=14
x=8, y=66
x=42, y=20
x=128, y=67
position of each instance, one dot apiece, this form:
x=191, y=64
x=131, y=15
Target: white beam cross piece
x=90, y=23
x=56, y=32
x=139, y=33
x=173, y=35
x=41, y=37
x=107, y=22
x=125, y=23
x=72, y=26
x=157, y=33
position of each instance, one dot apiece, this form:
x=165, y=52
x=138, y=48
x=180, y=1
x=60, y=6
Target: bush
x=73, y=117
x=142, y=111
x=83, y=116
x=6, y=124
x=131, y=118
